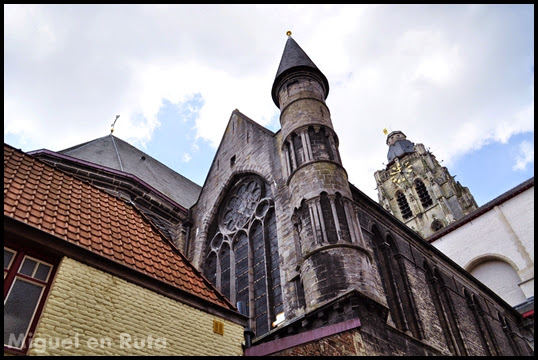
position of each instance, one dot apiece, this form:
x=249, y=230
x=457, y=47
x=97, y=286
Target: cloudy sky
x=457, y=78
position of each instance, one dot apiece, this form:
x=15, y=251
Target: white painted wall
x=502, y=236
x=501, y=278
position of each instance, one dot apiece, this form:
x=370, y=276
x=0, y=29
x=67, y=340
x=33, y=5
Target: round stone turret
x=327, y=232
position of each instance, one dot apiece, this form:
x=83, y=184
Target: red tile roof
x=56, y=202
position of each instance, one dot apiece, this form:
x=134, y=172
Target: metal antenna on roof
x=114, y=123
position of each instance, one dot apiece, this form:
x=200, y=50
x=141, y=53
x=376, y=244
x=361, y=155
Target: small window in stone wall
x=437, y=225
x=321, y=147
x=328, y=219
x=245, y=246
x=300, y=156
x=303, y=226
x=27, y=279
x=342, y=219
x=403, y=205
x=423, y=194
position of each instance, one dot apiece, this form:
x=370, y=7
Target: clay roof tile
x=78, y=212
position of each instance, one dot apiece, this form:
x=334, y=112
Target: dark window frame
x=11, y=274
x=423, y=194
x=403, y=204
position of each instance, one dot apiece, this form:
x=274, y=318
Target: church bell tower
x=416, y=189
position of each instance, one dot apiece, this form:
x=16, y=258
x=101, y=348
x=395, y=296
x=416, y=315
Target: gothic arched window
x=509, y=334
x=483, y=328
x=440, y=295
x=396, y=285
x=423, y=194
x=403, y=205
x=242, y=254
x=321, y=143
x=299, y=150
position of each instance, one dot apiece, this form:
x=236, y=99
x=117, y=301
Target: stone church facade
x=318, y=267
x=279, y=229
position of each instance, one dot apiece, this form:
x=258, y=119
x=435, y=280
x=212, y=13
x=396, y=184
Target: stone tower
x=416, y=189
x=327, y=236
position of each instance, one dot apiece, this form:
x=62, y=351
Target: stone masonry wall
x=248, y=148
x=415, y=253
x=348, y=343
x=245, y=148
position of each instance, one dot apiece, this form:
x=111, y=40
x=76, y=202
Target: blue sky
x=189, y=156
x=458, y=78
x=493, y=169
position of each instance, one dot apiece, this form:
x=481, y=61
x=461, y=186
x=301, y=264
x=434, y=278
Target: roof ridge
x=117, y=152
x=80, y=146
x=153, y=158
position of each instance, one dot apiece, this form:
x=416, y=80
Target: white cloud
x=186, y=157
x=525, y=156
x=69, y=69
x=522, y=120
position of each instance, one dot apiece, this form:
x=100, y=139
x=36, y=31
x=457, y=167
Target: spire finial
x=114, y=123
x=288, y=33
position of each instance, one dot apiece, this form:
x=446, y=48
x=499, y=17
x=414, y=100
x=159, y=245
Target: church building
x=313, y=264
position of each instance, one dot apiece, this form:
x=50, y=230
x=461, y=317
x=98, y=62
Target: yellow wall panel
x=89, y=312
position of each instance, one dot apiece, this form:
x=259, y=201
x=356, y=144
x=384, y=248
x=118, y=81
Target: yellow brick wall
x=92, y=312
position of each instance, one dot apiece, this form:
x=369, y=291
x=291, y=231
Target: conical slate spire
x=293, y=59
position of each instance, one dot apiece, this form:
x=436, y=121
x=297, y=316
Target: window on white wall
x=502, y=278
